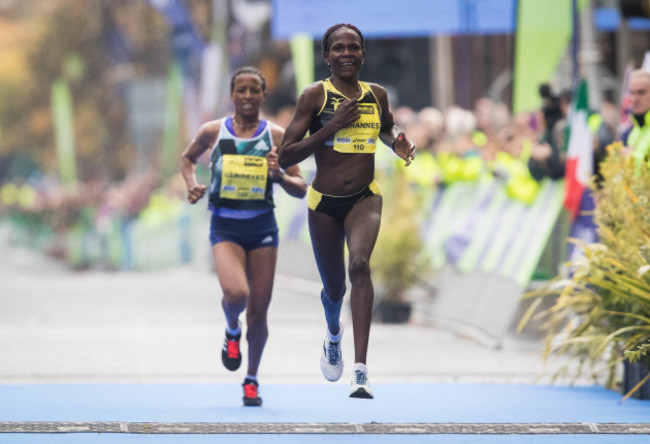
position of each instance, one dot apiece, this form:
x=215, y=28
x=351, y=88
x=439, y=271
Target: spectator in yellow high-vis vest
x=637, y=138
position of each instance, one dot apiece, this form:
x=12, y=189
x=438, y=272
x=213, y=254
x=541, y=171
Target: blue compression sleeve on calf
x=332, y=310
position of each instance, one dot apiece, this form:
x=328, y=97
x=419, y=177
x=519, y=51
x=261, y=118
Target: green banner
x=302, y=54
x=170, y=158
x=544, y=29
x=63, y=120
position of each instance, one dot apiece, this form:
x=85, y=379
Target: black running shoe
x=230, y=354
x=251, y=394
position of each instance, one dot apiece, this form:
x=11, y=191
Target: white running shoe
x=331, y=361
x=359, y=387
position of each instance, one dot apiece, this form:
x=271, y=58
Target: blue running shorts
x=256, y=232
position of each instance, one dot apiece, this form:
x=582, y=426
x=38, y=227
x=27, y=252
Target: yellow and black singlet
x=240, y=173
x=360, y=136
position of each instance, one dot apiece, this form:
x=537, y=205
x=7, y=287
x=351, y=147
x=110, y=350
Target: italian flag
x=580, y=160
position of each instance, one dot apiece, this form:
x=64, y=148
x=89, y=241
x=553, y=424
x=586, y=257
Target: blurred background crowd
x=98, y=98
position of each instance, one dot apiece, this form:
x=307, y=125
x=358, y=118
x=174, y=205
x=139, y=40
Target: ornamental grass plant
x=399, y=259
x=600, y=312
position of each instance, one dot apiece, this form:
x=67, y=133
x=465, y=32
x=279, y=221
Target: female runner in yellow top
x=344, y=117
x=243, y=229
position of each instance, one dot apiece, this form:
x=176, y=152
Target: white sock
x=361, y=367
x=252, y=378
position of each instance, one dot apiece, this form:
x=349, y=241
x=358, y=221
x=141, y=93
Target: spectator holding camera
x=548, y=156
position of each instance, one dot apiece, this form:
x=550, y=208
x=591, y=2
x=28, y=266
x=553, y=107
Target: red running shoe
x=230, y=353
x=251, y=393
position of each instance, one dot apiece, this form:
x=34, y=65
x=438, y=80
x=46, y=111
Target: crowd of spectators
x=490, y=131
x=454, y=144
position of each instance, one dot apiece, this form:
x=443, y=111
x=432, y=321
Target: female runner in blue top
x=344, y=117
x=243, y=229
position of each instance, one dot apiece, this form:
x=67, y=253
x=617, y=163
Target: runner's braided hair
x=325, y=44
x=247, y=70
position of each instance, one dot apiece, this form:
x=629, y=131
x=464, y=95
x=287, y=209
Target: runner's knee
x=359, y=269
x=255, y=316
x=234, y=296
x=334, y=294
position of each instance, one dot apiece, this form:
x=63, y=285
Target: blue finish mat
x=394, y=403
x=317, y=403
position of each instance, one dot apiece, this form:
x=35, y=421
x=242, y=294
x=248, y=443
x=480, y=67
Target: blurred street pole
x=589, y=56
x=622, y=49
x=442, y=80
x=215, y=63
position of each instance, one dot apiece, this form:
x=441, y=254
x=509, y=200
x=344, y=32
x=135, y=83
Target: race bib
x=360, y=136
x=243, y=177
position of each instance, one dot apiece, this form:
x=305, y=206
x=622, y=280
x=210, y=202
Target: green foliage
x=398, y=259
x=601, y=314
x=71, y=40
